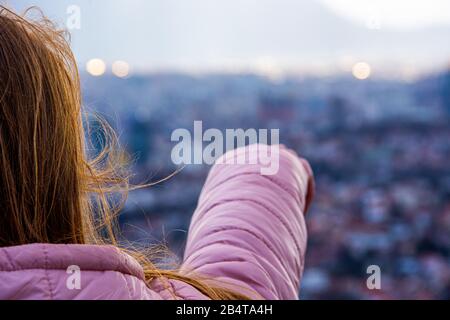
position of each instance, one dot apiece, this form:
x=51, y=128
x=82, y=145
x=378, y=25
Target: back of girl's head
x=49, y=191
x=45, y=181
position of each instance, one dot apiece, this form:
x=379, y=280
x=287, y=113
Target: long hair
x=50, y=189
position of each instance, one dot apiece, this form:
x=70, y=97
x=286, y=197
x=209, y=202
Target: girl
x=247, y=238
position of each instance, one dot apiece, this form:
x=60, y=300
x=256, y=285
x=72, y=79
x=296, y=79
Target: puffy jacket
x=248, y=233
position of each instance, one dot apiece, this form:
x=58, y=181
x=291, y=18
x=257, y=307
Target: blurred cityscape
x=380, y=151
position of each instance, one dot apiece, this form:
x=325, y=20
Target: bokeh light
x=96, y=67
x=362, y=70
x=121, y=69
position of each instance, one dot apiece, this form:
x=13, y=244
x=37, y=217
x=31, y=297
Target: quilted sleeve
x=249, y=228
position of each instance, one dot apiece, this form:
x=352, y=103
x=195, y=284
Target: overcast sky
x=313, y=35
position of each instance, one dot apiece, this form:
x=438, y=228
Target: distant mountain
x=206, y=34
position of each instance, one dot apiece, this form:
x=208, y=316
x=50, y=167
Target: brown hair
x=49, y=191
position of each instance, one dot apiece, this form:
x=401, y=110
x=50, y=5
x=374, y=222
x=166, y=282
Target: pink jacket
x=248, y=232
